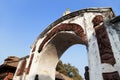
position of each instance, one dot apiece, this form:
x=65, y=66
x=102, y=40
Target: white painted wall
x=93, y=51
x=115, y=43
x=44, y=63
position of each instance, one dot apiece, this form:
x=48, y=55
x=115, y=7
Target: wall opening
x=77, y=56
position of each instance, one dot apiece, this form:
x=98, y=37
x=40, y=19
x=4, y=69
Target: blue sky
x=21, y=21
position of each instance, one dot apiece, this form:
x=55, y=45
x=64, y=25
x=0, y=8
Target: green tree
x=68, y=70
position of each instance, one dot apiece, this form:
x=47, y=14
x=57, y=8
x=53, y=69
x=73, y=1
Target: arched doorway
x=58, y=41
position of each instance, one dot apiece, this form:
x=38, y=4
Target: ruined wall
x=8, y=68
x=88, y=27
x=113, y=30
x=21, y=69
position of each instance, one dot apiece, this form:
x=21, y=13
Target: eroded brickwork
x=9, y=76
x=28, y=69
x=105, y=49
x=65, y=27
x=22, y=68
x=111, y=76
x=106, y=53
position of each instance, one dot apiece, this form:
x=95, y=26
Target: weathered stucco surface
x=80, y=27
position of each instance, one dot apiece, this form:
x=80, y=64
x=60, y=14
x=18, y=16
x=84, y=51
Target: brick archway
x=70, y=28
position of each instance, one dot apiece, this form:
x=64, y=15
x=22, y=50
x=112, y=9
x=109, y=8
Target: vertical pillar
x=29, y=65
x=93, y=51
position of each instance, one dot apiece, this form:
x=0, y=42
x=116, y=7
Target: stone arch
x=56, y=42
x=80, y=27
x=70, y=28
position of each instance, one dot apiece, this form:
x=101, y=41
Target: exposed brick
x=27, y=70
x=65, y=27
x=111, y=76
x=22, y=68
x=106, y=53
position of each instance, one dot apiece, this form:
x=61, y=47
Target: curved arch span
x=57, y=41
x=66, y=28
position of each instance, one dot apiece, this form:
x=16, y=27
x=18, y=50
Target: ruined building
x=96, y=28
x=8, y=68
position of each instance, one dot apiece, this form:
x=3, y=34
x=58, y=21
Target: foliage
x=68, y=70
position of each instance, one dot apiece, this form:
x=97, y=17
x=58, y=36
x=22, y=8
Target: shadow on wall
x=42, y=77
